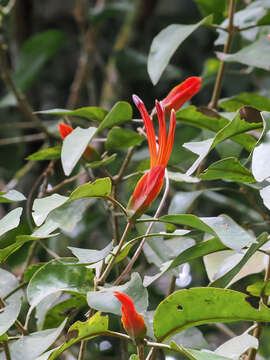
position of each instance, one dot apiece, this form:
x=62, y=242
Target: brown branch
x=88, y=38
x=21, y=99
x=220, y=75
x=6, y=350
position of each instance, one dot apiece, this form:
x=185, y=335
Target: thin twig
x=140, y=247
x=63, y=183
x=21, y=99
x=219, y=79
x=82, y=350
x=21, y=139
x=105, y=274
x=6, y=350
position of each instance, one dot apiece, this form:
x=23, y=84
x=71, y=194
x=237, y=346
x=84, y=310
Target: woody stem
x=220, y=75
x=140, y=351
x=114, y=256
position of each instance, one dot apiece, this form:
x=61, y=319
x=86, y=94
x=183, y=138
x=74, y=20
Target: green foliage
x=67, y=241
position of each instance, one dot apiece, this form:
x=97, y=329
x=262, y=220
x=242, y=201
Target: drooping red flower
x=150, y=184
x=182, y=93
x=90, y=153
x=131, y=320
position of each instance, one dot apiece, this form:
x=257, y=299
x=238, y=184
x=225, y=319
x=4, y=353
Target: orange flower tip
x=64, y=130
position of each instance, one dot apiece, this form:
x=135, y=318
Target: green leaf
x=224, y=280
x=105, y=161
x=97, y=324
x=92, y=113
x=42, y=207
x=229, y=169
x=74, y=146
x=193, y=354
x=119, y=138
x=191, y=337
x=187, y=308
x=46, y=154
x=237, y=346
x=64, y=217
x=4, y=337
x=217, y=8
x=20, y=241
x=251, y=55
x=59, y=276
x=205, y=118
x=33, y=55
x=244, y=18
x=260, y=158
x=105, y=301
x=121, y=112
x=162, y=50
x=222, y=227
x=9, y=282
x=31, y=346
x=11, y=196
x=98, y=188
x=232, y=130
x=11, y=220
x=259, y=288
x=70, y=307
x=179, y=177
x=89, y=256
x=234, y=103
x=197, y=251
x=133, y=357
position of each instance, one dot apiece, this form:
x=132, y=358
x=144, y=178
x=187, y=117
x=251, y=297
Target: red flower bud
x=131, y=320
x=182, y=93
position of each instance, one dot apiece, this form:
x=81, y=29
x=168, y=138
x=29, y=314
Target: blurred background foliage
x=80, y=53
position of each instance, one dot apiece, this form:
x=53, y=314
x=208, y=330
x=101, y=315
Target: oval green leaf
x=187, y=308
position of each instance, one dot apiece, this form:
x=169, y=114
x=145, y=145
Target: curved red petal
x=151, y=137
x=162, y=133
x=170, y=139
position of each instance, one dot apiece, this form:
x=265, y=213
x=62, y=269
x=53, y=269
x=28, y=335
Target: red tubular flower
x=90, y=153
x=182, y=93
x=150, y=184
x=131, y=320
